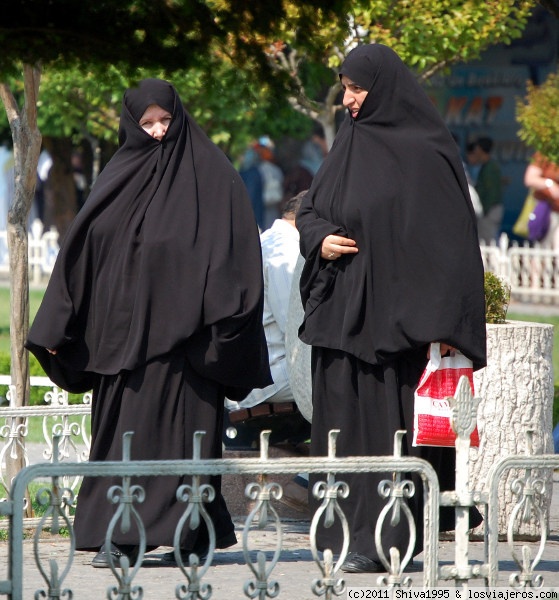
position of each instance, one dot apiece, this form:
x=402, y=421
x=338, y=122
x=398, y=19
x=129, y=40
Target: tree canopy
x=227, y=102
x=173, y=34
x=212, y=50
x=221, y=55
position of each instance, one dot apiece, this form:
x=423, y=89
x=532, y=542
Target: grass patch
x=35, y=297
x=35, y=427
x=39, y=509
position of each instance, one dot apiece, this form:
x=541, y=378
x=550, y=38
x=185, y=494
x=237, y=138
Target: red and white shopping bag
x=432, y=412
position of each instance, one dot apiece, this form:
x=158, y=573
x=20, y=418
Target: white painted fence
x=533, y=272
x=43, y=249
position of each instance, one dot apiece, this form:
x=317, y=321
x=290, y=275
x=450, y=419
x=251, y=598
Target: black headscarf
x=164, y=255
x=394, y=182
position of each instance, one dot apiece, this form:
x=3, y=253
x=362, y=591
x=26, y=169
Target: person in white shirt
x=274, y=406
x=280, y=250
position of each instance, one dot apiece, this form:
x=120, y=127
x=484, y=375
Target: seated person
x=274, y=407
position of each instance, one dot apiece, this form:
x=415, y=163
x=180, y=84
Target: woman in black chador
x=155, y=303
x=392, y=263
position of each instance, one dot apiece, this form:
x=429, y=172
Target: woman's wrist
x=549, y=183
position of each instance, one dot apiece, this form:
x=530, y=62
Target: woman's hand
x=445, y=349
x=333, y=246
x=534, y=177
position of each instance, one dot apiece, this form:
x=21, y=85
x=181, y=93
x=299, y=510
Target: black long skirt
x=368, y=404
x=163, y=403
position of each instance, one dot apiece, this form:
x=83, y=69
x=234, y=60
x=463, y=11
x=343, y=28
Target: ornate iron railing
x=195, y=577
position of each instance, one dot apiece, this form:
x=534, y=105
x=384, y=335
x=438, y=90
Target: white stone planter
x=516, y=393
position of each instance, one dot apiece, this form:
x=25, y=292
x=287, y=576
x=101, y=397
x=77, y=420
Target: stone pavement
x=294, y=572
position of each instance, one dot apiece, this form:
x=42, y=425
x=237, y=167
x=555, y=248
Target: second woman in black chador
x=392, y=264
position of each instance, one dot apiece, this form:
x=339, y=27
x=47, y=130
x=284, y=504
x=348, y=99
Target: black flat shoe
x=357, y=563
x=201, y=550
x=101, y=559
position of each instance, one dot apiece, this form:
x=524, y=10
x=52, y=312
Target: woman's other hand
x=333, y=246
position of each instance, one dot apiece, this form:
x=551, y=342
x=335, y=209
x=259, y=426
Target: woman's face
x=155, y=121
x=354, y=95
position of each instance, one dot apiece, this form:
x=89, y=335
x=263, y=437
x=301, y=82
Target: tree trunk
x=60, y=191
x=27, y=146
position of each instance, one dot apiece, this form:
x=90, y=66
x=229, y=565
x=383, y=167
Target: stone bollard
x=516, y=394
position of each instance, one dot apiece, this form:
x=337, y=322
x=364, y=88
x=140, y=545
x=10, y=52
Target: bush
x=497, y=298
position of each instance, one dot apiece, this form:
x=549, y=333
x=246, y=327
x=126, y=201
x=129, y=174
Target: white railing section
x=43, y=250
x=532, y=271
x=69, y=423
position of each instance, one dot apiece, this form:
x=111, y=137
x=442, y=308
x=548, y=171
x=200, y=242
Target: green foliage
x=90, y=52
x=77, y=103
x=497, y=298
x=538, y=116
x=231, y=106
x=216, y=52
x=4, y=367
x=234, y=108
x=430, y=35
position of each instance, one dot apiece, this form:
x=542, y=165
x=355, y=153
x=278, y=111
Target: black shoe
x=201, y=550
x=357, y=563
x=101, y=559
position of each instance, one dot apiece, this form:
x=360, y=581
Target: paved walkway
x=294, y=572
